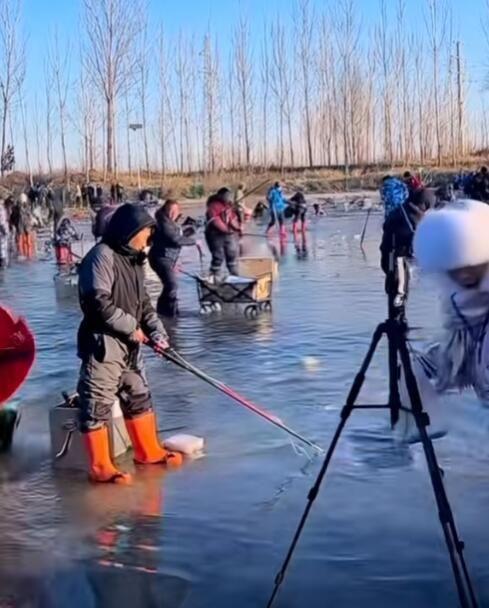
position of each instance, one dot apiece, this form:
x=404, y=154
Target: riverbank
x=195, y=187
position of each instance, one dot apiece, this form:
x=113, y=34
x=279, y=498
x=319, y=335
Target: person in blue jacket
x=276, y=205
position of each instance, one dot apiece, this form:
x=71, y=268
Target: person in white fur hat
x=453, y=244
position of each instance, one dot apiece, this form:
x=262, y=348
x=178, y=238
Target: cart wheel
x=267, y=306
x=251, y=311
x=204, y=309
x=216, y=307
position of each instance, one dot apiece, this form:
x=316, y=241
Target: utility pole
x=460, y=104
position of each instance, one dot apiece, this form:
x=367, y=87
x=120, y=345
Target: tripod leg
x=454, y=544
x=393, y=348
x=313, y=492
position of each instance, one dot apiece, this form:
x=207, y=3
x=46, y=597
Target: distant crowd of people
x=405, y=201
x=474, y=184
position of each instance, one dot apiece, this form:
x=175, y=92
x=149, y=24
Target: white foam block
x=190, y=445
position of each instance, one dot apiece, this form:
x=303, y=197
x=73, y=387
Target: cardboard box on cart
x=257, y=267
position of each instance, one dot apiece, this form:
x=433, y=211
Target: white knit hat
x=453, y=237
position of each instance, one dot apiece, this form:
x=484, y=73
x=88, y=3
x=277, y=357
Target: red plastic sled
x=17, y=354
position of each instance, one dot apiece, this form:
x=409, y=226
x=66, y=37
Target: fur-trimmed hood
x=453, y=237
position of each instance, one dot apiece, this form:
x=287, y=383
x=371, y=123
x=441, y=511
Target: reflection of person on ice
x=118, y=318
x=163, y=256
x=453, y=244
x=222, y=232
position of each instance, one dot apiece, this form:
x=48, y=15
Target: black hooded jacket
x=400, y=226
x=168, y=238
x=112, y=294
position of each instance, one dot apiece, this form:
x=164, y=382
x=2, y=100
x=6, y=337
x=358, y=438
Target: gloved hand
x=138, y=336
x=188, y=231
x=159, y=342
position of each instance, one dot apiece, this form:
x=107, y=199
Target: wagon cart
x=254, y=293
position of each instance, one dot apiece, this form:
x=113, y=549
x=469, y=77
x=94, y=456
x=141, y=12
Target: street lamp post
x=137, y=126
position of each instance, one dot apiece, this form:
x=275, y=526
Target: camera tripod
x=395, y=329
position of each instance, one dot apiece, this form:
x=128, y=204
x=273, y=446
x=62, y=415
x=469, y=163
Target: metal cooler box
x=67, y=449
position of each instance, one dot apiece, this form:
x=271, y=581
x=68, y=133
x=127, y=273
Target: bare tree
x=419, y=87
x=324, y=92
x=167, y=115
x=335, y=109
x=450, y=121
x=384, y=56
x=59, y=62
x=403, y=90
x=127, y=113
x=143, y=62
x=112, y=28
x=37, y=123
x=346, y=33
x=196, y=130
x=12, y=63
x=210, y=71
x=369, y=134
x=277, y=82
x=90, y=123
x=47, y=88
x=281, y=84
x=436, y=21
x=162, y=118
x=23, y=114
x=183, y=73
x=232, y=114
x=305, y=32
x=244, y=79
x=265, y=90
x=460, y=101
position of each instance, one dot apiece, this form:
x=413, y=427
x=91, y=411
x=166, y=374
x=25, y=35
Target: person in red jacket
x=413, y=182
x=222, y=232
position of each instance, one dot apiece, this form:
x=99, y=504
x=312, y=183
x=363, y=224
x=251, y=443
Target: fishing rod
x=253, y=190
x=176, y=358
x=365, y=227
x=179, y=268
x=260, y=185
x=264, y=236
x=201, y=256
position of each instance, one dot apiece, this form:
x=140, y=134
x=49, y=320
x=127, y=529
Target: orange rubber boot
x=147, y=447
x=102, y=468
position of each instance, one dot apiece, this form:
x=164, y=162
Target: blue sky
x=195, y=16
